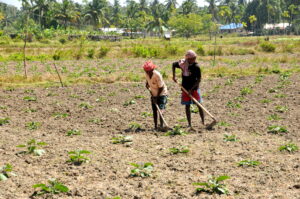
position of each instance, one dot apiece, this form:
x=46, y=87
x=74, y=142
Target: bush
x=200, y=50
x=62, y=40
x=91, y=53
x=172, y=50
x=219, y=51
x=241, y=51
x=267, y=47
x=103, y=51
x=141, y=51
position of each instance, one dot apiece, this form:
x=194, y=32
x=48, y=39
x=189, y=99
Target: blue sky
x=18, y=3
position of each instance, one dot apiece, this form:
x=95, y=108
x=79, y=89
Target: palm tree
x=171, y=5
x=188, y=7
x=160, y=16
x=96, y=11
x=213, y=10
x=41, y=6
x=66, y=12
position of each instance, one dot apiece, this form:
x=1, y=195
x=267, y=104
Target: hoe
x=214, y=122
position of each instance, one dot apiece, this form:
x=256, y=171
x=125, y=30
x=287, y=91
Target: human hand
x=175, y=79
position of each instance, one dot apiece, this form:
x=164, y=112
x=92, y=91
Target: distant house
x=112, y=30
x=281, y=26
x=233, y=27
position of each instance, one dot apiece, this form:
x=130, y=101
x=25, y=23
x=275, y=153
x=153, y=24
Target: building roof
x=231, y=26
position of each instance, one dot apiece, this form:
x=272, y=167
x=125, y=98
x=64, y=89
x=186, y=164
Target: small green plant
x=281, y=109
x=274, y=117
x=230, y=138
x=290, y=147
x=130, y=102
x=91, y=53
x=95, y=120
x=246, y=91
x=284, y=76
x=194, y=109
x=60, y=115
x=141, y=170
x=73, y=132
x=231, y=104
x=280, y=95
x=277, y=129
x=77, y=158
x=30, y=98
x=265, y=101
x=121, y=139
x=139, y=97
x=6, y=172
x=103, y=51
x=213, y=185
x=135, y=126
x=32, y=125
x=248, y=163
x=181, y=149
x=273, y=90
x=147, y=114
x=176, y=131
x=30, y=110
x=229, y=82
x=182, y=120
x=54, y=187
x=222, y=123
x=85, y=105
x=4, y=121
x=32, y=147
x=259, y=78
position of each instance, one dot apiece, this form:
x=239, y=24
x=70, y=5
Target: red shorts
x=186, y=100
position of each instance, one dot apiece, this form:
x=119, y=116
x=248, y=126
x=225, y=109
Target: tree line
x=154, y=16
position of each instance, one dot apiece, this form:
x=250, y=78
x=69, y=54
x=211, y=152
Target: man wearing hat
x=158, y=89
x=191, y=78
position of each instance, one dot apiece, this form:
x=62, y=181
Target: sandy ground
x=107, y=174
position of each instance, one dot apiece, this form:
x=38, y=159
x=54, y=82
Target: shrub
x=172, y=50
x=200, y=50
x=91, y=53
x=103, y=51
x=268, y=47
x=146, y=52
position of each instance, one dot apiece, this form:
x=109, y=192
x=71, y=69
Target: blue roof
x=231, y=26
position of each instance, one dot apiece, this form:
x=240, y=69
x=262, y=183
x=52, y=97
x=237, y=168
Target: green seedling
x=30, y=110
x=239, y=99
x=273, y=90
x=121, y=139
x=259, y=78
x=30, y=98
x=73, y=132
x=230, y=138
x=4, y=121
x=141, y=170
x=277, y=129
x=29, y=91
x=176, y=131
x=274, y=117
x=146, y=114
x=95, y=120
x=77, y=158
x=182, y=120
x=111, y=94
x=60, y=115
x=248, y=163
x=85, y=105
x=281, y=109
x=139, y=97
x=32, y=125
x=284, y=76
x=231, y=104
x=6, y=172
x=32, y=147
x=213, y=185
x=74, y=96
x=181, y=149
x=265, y=101
x=91, y=92
x=3, y=107
x=51, y=94
x=246, y=91
x=101, y=99
x=130, y=102
x=194, y=109
x=135, y=126
x=280, y=95
x=222, y=123
x=290, y=147
x=54, y=187
x=229, y=82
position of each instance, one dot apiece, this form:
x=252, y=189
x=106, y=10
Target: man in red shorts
x=191, y=78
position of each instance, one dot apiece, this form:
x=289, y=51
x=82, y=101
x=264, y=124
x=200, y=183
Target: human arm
x=174, y=66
